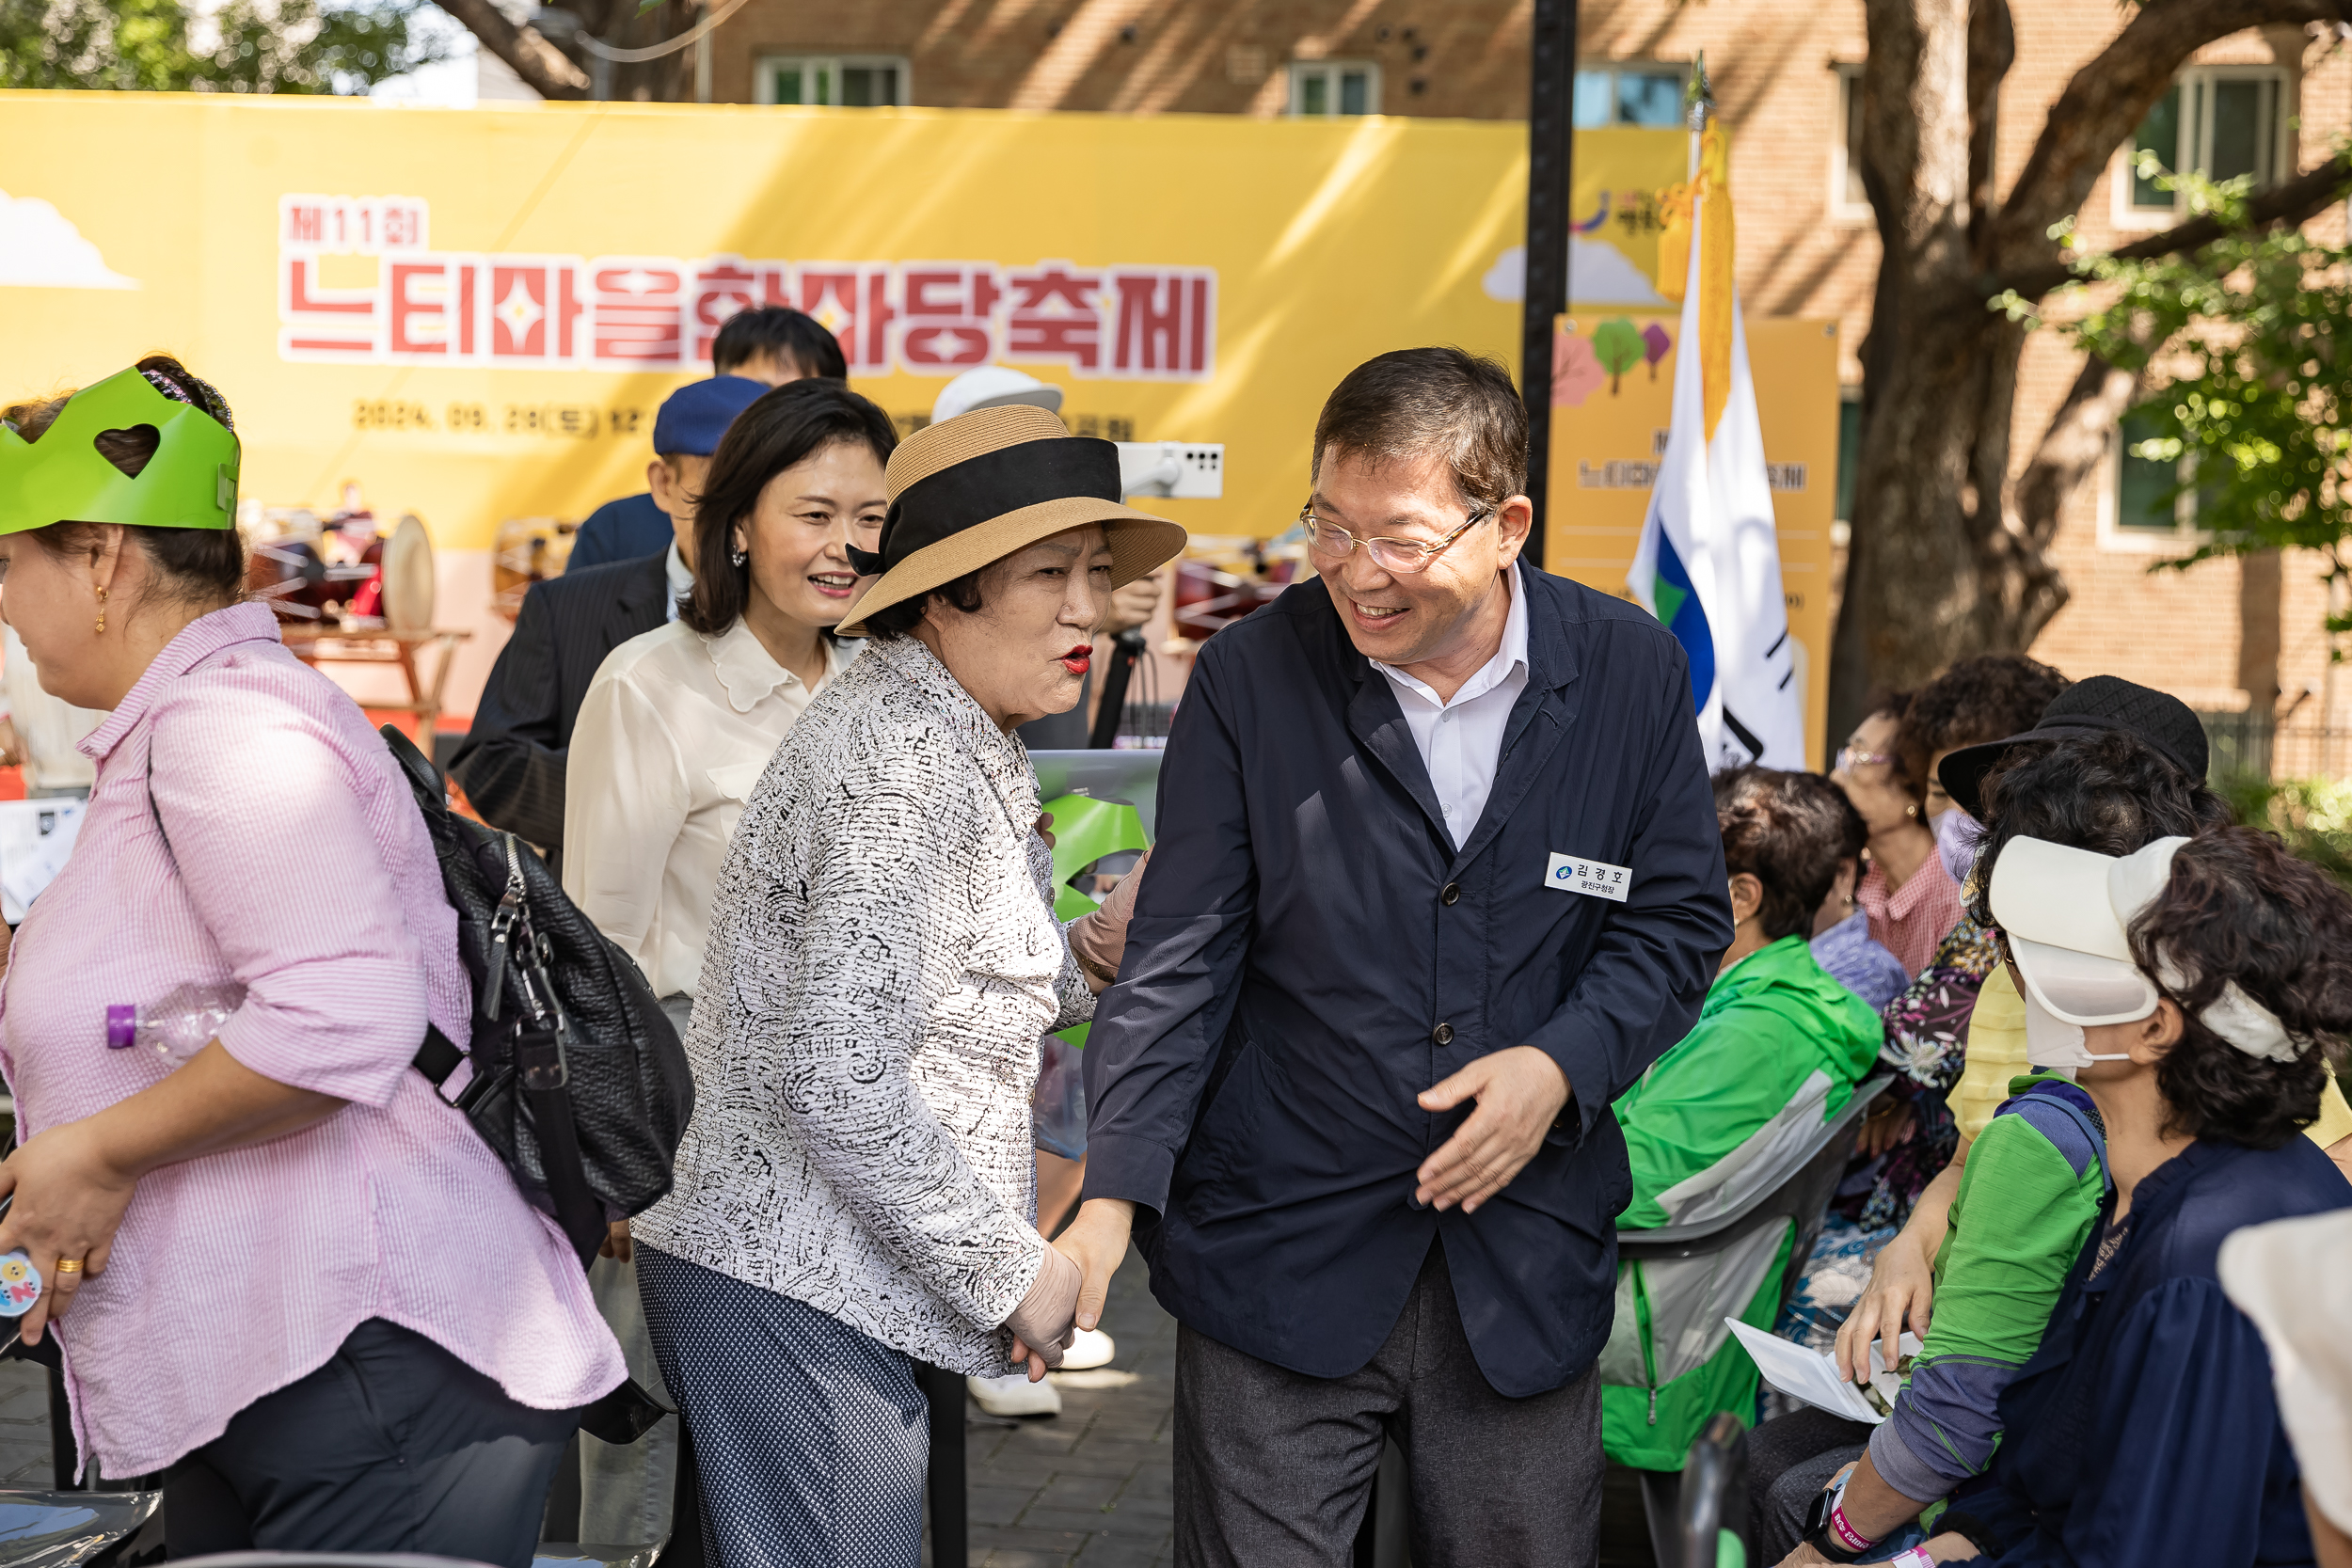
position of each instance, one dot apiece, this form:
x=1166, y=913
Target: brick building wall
x=2205, y=634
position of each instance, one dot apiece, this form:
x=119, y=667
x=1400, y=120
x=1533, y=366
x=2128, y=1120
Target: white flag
x=1708, y=562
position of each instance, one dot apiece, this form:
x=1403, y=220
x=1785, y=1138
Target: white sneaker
x=1093, y=1347
x=1014, y=1394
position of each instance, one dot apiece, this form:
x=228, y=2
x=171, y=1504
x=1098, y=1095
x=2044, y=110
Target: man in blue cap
x=510, y=764
x=772, y=344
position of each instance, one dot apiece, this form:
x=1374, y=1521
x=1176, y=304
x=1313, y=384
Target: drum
x=407, y=577
x=525, y=550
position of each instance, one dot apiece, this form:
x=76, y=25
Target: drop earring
x=737, y=558
x=102, y=612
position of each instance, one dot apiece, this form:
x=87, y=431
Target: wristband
x=1844, y=1534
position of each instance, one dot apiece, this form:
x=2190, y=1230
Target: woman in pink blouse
x=1911, y=899
x=280, y=1269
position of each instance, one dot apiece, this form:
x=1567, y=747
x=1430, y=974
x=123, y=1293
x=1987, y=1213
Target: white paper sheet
x=1811, y=1376
x=35, y=836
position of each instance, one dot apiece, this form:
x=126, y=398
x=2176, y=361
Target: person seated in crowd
x=1912, y=902
x=1985, y=699
x=771, y=345
x=1841, y=941
x=2109, y=792
x=2291, y=1277
x=1909, y=1134
x=2189, y=985
x=511, y=764
x=1777, y=1051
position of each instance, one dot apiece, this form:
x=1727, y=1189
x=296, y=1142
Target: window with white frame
x=2144, y=511
x=1321, y=89
x=833, y=81
x=1628, y=94
x=2220, y=121
x=1848, y=201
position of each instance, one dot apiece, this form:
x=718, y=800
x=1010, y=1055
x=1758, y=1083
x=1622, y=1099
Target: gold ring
x=69, y=1266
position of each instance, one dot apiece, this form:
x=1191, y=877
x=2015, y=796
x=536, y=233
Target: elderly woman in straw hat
x=856, y=1193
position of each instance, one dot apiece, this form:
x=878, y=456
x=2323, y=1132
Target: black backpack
x=579, y=1084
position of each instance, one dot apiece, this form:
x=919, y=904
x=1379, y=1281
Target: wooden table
x=329, y=645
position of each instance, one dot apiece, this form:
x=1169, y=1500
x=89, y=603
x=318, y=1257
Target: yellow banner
x=1613, y=393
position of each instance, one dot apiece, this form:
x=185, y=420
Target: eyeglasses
x=1330, y=541
x=1851, y=757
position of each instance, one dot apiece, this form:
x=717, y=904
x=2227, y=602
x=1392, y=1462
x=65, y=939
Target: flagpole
x=1698, y=108
x=1551, y=162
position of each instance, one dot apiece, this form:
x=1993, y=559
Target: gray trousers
x=1273, y=1467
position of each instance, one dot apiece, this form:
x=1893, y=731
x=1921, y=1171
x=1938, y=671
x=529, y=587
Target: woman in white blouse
x=858, y=1189
x=680, y=721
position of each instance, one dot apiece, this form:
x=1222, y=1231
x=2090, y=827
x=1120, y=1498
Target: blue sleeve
x=1640, y=991
x=2181, y=1442
x=1156, y=1033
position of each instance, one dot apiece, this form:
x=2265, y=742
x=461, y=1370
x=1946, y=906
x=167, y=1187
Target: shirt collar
x=681, y=580
x=198, y=641
x=1511, y=655
x=750, y=674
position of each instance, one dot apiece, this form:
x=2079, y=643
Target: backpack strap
x=2067, y=1115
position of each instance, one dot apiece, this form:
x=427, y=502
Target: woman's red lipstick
x=1079, y=658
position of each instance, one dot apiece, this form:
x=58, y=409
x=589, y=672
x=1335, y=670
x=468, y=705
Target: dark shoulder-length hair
x=784, y=427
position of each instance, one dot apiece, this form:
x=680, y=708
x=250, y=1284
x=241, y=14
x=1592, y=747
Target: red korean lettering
x=320, y=322
x=637, y=309
x=1166, y=325
x=948, y=309
x=1055, y=314
x=724, y=286
x=534, y=309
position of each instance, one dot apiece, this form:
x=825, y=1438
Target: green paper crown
x=191, y=482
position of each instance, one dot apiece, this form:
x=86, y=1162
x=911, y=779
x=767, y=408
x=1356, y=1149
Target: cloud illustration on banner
x=1598, y=274
x=40, y=248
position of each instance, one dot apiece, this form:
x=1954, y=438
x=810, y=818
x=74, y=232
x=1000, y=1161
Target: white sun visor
x=2077, y=900
x=2082, y=987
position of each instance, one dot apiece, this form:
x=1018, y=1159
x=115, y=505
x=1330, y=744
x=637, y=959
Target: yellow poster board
x=474, y=313
x=1610, y=405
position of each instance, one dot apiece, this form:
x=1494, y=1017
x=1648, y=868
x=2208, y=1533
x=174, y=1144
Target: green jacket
x=1778, y=1050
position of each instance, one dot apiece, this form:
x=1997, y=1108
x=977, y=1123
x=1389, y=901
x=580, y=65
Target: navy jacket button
x=1442, y=1034
x=1452, y=894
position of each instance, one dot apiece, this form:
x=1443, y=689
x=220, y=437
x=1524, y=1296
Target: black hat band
x=1010, y=479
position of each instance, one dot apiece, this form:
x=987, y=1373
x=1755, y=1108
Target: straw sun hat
x=984, y=484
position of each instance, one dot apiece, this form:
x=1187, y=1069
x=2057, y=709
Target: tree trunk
x=1947, y=557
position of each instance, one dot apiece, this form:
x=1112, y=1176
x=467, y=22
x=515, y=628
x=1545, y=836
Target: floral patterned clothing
x=1927, y=1040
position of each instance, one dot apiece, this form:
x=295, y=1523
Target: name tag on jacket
x=1592, y=878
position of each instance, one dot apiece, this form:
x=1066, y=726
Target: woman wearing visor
x=2186, y=988
x=858, y=1190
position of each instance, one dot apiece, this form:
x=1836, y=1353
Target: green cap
x=191, y=482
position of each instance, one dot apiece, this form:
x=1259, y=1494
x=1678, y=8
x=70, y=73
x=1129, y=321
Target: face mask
x=1956, y=837
x=2054, y=1045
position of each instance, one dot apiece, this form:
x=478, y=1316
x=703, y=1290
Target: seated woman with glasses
x=1911, y=899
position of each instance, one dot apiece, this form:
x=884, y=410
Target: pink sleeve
x=263, y=812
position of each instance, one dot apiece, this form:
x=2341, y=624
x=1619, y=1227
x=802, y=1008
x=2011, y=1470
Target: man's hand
x=1097, y=1243
x=616, y=1243
x=1519, y=1094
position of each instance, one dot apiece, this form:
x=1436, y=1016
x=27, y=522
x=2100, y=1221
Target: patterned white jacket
x=882, y=960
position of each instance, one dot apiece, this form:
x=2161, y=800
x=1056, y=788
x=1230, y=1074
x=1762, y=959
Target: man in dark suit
x=1438, y=878
x=511, y=763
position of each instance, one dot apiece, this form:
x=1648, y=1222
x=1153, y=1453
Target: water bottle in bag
x=182, y=1022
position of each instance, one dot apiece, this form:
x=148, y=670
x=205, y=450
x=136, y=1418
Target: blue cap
x=697, y=413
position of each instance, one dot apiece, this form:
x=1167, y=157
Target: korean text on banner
x=1708, y=562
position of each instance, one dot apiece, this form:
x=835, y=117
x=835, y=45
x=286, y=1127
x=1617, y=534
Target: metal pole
x=1551, y=102
x=702, y=62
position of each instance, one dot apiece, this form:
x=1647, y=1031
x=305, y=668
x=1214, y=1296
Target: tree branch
x=1991, y=50
x=545, y=69
x=2283, y=206
x=2107, y=99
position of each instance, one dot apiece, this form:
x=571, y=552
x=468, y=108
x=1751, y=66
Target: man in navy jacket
x=1438, y=878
